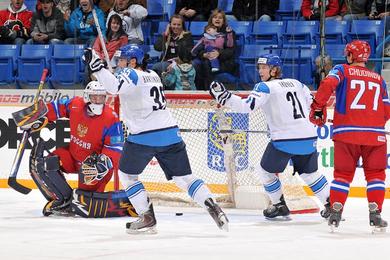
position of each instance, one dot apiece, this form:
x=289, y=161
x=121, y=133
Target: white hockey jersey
x=286, y=104
x=143, y=106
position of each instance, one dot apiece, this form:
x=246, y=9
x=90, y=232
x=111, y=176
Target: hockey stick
x=12, y=182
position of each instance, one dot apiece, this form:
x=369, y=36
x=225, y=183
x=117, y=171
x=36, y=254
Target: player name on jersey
x=363, y=73
x=150, y=79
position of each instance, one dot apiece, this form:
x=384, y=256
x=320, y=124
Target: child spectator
x=311, y=9
x=116, y=37
x=15, y=22
x=132, y=16
x=47, y=24
x=211, y=41
x=195, y=10
x=180, y=75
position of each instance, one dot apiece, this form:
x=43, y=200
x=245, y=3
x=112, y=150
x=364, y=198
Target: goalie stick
x=12, y=181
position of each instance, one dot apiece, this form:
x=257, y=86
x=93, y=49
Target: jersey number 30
x=362, y=88
x=157, y=94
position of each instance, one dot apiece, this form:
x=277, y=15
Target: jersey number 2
x=295, y=101
x=157, y=94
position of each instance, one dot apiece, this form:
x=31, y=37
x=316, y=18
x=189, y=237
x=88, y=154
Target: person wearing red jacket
x=311, y=9
x=15, y=22
x=361, y=112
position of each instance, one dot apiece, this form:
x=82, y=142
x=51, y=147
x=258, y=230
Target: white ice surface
x=26, y=234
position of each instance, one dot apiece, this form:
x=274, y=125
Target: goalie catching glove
x=95, y=167
x=219, y=92
x=317, y=114
x=92, y=60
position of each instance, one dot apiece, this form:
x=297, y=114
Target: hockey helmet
x=95, y=97
x=131, y=51
x=272, y=60
x=360, y=50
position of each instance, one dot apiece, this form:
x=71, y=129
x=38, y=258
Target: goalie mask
x=95, y=97
x=95, y=167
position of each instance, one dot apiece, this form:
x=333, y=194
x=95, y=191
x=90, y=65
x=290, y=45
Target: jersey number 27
x=362, y=88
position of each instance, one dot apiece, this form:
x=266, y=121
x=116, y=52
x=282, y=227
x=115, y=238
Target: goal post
x=224, y=149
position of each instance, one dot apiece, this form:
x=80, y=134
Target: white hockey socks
x=318, y=184
x=271, y=183
x=196, y=188
x=135, y=191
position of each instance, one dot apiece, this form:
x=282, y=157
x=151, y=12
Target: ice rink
x=26, y=234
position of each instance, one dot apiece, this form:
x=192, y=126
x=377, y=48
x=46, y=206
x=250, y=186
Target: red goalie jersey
x=362, y=104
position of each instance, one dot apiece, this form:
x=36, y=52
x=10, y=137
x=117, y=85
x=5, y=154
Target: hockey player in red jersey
x=361, y=111
x=96, y=139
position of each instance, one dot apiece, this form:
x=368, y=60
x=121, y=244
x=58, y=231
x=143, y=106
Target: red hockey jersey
x=16, y=20
x=101, y=134
x=362, y=104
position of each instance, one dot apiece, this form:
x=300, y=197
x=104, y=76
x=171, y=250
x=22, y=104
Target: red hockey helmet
x=360, y=50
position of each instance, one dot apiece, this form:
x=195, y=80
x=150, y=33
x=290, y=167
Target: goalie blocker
x=62, y=200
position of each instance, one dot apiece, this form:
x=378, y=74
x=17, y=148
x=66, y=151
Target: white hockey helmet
x=95, y=96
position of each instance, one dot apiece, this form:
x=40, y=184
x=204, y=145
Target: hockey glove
x=317, y=114
x=95, y=167
x=92, y=60
x=219, y=92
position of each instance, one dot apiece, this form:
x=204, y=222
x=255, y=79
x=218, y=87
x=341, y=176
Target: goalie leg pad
x=101, y=204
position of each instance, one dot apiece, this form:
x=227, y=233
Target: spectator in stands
x=47, y=25
x=15, y=22
x=253, y=10
x=174, y=38
x=380, y=9
x=80, y=27
x=132, y=16
x=116, y=37
x=180, y=75
x=355, y=9
x=328, y=65
x=311, y=9
x=225, y=55
x=195, y=10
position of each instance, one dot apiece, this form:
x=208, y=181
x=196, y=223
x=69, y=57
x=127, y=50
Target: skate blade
x=279, y=218
x=146, y=231
x=376, y=230
x=223, y=223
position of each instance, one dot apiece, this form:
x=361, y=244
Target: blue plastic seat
x=31, y=5
x=288, y=10
x=66, y=65
x=31, y=62
x=226, y=6
x=147, y=31
x=300, y=32
x=336, y=52
x=156, y=10
x=8, y=57
x=368, y=30
x=161, y=27
x=267, y=32
x=335, y=32
x=242, y=30
x=197, y=29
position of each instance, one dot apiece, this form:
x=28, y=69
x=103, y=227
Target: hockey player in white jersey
x=286, y=104
x=153, y=132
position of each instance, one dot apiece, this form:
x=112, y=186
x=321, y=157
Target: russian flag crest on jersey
x=362, y=105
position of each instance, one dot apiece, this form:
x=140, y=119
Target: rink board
x=13, y=100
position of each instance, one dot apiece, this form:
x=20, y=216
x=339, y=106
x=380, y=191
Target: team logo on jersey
x=229, y=125
x=82, y=130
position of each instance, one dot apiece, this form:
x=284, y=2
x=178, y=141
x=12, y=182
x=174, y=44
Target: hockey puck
x=179, y=214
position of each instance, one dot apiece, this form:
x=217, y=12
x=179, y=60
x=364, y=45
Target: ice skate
x=376, y=221
x=277, y=210
x=335, y=215
x=325, y=213
x=145, y=224
x=57, y=208
x=217, y=214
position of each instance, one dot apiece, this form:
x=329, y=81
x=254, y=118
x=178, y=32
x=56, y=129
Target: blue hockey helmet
x=131, y=51
x=272, y=60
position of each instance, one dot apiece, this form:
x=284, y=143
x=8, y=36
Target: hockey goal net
x=224, y=149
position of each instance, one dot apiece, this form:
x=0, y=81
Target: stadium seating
x=368, y=30
x=242, y=30
x=31, y=62
x=65, y=66
x=147, y=31
x=31, y=4
x=156, y=10
x=336, y=52
x=161, y=27
x=197, y=29
x=8, y=56
x=300, y=32
x=226, y=6
x=335, y=32
x=288, y=10
x=267, y=32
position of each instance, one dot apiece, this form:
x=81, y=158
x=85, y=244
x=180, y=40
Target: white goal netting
x=227, y=169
